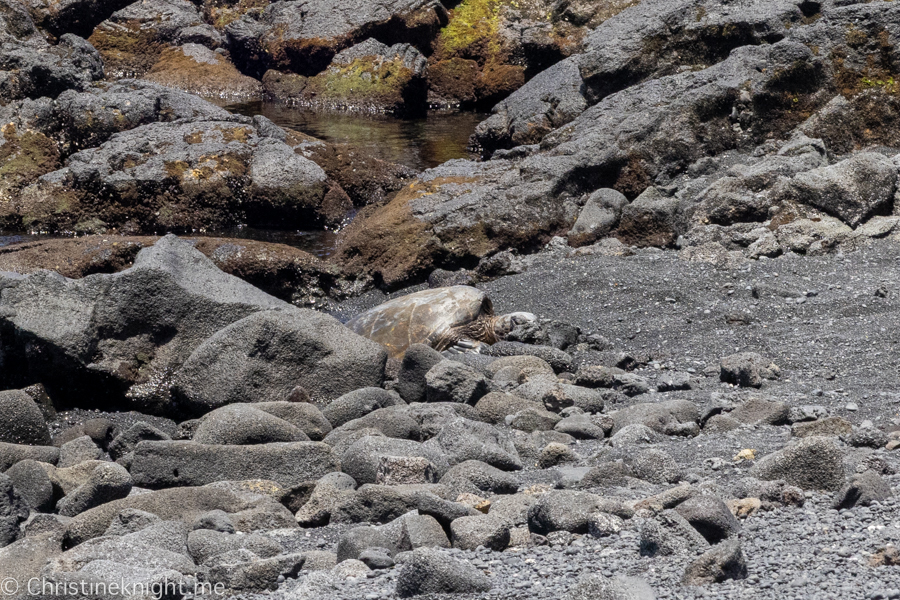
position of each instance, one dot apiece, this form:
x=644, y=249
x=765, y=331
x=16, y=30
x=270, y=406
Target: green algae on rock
x=370, y=76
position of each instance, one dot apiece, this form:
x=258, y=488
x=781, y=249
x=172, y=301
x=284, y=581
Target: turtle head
x=504, y=324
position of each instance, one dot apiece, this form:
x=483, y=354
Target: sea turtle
x=457, y=317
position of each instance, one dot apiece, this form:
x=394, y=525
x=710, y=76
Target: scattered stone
x=721, y=562
x=748, y=369
x=814, y=463
x=862, y=489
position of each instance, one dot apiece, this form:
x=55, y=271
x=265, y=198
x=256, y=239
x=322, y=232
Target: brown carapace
x=459, y=316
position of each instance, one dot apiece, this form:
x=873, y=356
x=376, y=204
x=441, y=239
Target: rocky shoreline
x=694, y=202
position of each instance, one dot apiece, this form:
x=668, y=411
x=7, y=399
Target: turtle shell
x=422, y=317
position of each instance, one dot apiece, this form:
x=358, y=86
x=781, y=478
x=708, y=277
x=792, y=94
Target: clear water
x=419, y=143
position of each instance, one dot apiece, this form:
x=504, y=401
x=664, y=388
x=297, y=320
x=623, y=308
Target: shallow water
x=419, y=143
x=318, y=243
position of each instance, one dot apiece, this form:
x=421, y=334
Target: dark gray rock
x=671, y=417
x=77, y=451
x=87, y=119
x=580, y=427
x=655, y=466
x=126, y=441
x=353, y=543
x=431, y=571
x=423, y=531
x=556, y=358
x=175, y=463
x=107, y=482
x=383, y=504
x=668, y=533
x=358, y=403
x=747, y=369
x=862, y=489
x=32, y=68
x=328, y=489
x=376, y=558
x=432, y=417
x=598, y=217
x=476, y=477
x=451, y=381
x=256, y=575
x=21, y=421
x=719, y=563
x=867, y=437
x=496, y=406
x=392, y=421
x=758, y=411
x=302, y=347
x=812, y=463
x=302, y=415
x=114, y=312
x=170, y=185
x=417, y=361
x=640, y=43
x=215, y=520
x=10, y=454
x=183, y=504
x=362, y=459
x=710, y=516
x=305, y=37
x=562, y=510
x=240, y=424
x=205, y=544
x=130, y=520
x=613, y=378
x=31, y=482
x=468, y=533
x=463, y=440
x=852, y=190
x=13, y=510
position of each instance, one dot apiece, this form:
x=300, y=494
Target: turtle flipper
x=465, y=346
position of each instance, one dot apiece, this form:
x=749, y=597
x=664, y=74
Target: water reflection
x=418, y=143
x=317, y=243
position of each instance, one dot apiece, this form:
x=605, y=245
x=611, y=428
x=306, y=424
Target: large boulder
x=106, y=338
x=642, y=42
x=131, y=39
x=168, y=464
x=812, y=463
x=30, y=67
x=197, y=69
x=303, y=36
x=462, y=439
x=182, y=176
x=852, y=190
x=10, y=454
x=264, y=356
x=359, y=403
